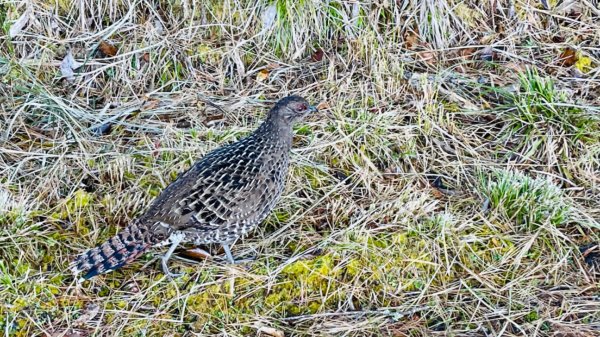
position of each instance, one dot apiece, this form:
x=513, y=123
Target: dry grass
x=447, y=194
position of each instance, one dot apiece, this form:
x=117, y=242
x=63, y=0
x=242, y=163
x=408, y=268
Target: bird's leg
x=175, y=240
x=228, y=253
x=230, y=259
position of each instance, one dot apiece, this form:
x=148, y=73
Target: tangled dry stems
x=446, y=193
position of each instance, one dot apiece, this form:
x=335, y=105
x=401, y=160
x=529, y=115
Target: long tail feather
x=119, y=250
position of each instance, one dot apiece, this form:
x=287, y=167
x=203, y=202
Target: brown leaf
x=411, y=40
x=317, y=55
x=568, y=57
x=323, y=106
x=427, y=56
x=107, y=49
x=262, y=75
x=437, y=193
x=516, y=67
x=146, y=57
x=467, y=53
x=150, y=104
x=272, y=66
x=210, y=119
x=196, y=254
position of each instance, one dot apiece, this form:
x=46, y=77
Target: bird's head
x=291, y=109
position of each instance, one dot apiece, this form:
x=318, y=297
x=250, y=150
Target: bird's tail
x=119, y=250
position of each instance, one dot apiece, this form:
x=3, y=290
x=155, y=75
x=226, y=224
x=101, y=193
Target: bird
x=221, y=197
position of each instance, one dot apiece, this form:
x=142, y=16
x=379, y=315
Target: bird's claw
x=173, y=275
x=166, y=270
x=239, y=261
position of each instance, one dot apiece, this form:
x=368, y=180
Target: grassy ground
x=447, y=193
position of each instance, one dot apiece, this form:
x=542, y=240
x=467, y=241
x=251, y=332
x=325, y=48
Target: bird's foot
x=241, y=261
x=230, y=258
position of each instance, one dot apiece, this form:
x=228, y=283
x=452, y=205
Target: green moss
x=354, y=267
x=305, y=278
x=79, y=200
x=313, y=273
x=375, y=242
x=532, y=316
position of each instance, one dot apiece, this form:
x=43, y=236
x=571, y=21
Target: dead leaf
x=270, y=331
x=213, y=119
x=323, y=106
x=196, y=254
x=107, y=49
x=146, y=57
x=411, y=40
x=427, y=56
x=571, y=9
x=317, y=55
x=21, y=22
x=68, y=65
x=467, y=53
x=272, y=66
x=262, y=75
x=568, y=57
x=150, y=104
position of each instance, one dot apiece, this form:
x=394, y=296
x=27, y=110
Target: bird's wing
x=222, y=189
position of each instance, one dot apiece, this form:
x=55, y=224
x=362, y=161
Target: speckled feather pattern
x=221, y=197
x=228, y=192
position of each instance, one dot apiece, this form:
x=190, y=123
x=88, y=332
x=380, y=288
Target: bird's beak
x=313, y=109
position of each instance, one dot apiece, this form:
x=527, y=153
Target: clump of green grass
x=543, y=123
x=529, y=202
x=539, y=105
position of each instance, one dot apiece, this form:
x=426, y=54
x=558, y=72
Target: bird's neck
x=279, y=131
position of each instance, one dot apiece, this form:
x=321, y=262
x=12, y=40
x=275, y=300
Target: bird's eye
x=301, y=107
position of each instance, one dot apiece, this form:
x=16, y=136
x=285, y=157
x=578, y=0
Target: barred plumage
x=221, y=197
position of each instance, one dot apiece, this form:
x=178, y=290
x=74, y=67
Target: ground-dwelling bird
x=220, y=198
